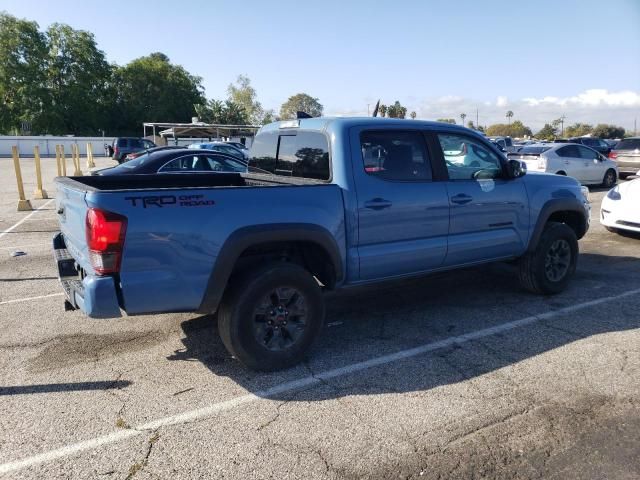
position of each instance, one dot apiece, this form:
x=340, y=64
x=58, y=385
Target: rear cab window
x=292, y=153
x=395, y=155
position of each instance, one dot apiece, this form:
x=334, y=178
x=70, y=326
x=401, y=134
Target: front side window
x=587, y=153
x=395, y=155
x=570, y=151
x=468, y=159
x=218, y=164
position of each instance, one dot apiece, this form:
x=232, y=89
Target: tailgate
x=71, y=208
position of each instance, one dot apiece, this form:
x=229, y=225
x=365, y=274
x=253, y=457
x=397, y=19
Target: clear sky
x=538, y=58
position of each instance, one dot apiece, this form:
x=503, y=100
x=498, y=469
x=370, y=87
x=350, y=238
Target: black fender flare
x=553, y=206
x=246, y=237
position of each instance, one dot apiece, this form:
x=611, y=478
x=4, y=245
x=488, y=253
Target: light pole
x=562, y=125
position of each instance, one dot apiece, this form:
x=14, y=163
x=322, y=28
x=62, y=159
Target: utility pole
x=368, y=113
x=562, y=125
x=634, y=126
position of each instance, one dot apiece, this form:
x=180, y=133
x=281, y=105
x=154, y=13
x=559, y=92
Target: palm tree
x=382, y=110
x=463, y=116
x=413, y=115
x=509, y=115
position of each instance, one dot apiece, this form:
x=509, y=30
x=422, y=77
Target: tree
x=509, y=115
x=244, y=95
x=77, y=79
x=578, y=130
x=23, y=95
x=222, y=112
x=413, y=115
x=382, y=110
x=447, y=120
x=516, y=129
x=396, y=110
x=462, y=117
x=603, y=130
x=548, y=132
x=152, y=89
x=301, y=102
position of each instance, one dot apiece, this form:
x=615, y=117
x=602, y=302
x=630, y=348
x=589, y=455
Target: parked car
x=582, y=163
x=505, y=142
x=240, y=146
x=626, y=154
x=348, y=201
x=596, y=143
x=223, y=147
x=620, y=209
x=122, y=146
x=177, y=160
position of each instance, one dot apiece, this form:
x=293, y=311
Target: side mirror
x=516, y=168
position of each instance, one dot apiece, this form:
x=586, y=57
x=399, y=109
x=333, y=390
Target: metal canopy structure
x=199, y=130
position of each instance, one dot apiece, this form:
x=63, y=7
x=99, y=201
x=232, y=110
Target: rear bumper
x=95, y=296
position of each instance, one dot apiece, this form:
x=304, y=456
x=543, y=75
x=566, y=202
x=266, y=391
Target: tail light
x=105, y=238
x=116, y=150
x=613, y=155
x=542, y=163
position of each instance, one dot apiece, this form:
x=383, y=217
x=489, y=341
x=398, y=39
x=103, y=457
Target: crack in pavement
x=139, y=466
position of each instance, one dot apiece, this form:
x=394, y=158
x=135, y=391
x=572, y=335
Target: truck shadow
x=366, y=324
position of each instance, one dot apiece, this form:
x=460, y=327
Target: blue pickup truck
x=342, y=202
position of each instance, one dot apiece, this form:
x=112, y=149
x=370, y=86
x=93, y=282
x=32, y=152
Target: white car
x=582, y=163
x=620, y=209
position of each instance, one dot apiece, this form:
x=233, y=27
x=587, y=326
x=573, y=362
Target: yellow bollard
x=23, y=203
x=58, y=167
x=90, y=162
x=75, y=152
x=39, y=192
x=63, y=161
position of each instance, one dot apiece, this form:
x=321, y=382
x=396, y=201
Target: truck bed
x=121, y=183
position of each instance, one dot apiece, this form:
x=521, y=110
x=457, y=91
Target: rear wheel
x=609, y=179
x=270, y=317
x=561, y=173
x=549, y=268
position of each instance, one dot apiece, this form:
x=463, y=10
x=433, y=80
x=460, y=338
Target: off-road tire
x=236, y=318
x=532, y=270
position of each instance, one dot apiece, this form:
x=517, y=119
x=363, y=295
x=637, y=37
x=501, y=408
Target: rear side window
x=395, y=155
x=629, y=144
x=296, y=154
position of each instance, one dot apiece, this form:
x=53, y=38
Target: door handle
x=377, y=204
x=461, y=199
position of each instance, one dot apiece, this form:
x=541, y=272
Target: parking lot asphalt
x=457, y=375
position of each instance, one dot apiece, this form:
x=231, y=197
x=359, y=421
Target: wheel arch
x=312, y=246
x=564, y=210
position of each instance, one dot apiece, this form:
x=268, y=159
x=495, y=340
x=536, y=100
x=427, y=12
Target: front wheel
x=609, y=179
x=270, y=317
x=549, y=268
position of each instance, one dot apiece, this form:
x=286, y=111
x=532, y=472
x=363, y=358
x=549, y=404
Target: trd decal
x=170, y=200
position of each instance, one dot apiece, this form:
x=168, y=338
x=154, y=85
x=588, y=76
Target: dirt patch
x=69, y=350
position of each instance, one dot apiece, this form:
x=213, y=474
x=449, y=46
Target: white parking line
x=208, y=411
x=26, y=299
x=10, y=229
